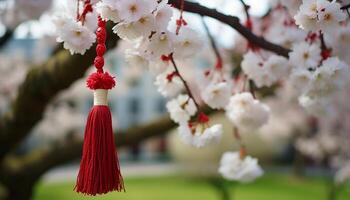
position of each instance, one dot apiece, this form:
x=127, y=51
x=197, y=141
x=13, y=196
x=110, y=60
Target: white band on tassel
x=100, y=97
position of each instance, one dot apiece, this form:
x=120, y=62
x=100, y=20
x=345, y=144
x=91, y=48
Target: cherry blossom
x=181, y=109
x=315, y=15
x=169, y=83
x=187, y=43
x=108, y=10
x=217, y=95
x=233, y=167
x=139, y=28
x=200, y=135
x=77, y=38
x=304, y=55
x=264, y=72
x=247, y=113
x=134, y=10
x=343, y=174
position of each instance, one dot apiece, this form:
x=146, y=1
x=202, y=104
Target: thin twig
x=323, y=43
x=212, y=42
x=246, y=9
x=78, y=12
x=345, y=7
x=242, y=149
x=183, y=81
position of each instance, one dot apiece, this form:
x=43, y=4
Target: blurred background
x=155, y=163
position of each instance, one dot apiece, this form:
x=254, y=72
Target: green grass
x=270, y=187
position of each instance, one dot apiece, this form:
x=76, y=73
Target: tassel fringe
x=99, y=168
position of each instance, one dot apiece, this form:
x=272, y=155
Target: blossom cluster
x=319, y=15
x=318, y=74
x=245, y=170
x=316, y=79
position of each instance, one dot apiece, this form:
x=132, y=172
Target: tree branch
x=234, y=23
x=41, y=84
x=6, y=37
x=36, y=163
x=347, y=6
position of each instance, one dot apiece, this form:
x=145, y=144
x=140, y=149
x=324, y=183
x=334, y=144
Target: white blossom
x=163, y=16
x=181, y=109
x=158, y=66
x=76, y=37
x=133, y=30
x=264, y=72
x=133, y=10
x=315, y=106
x=310, y=148
x=252, y=66
x=285, y=35
x=169, y=83
x=339, y=42
x=327, y=78
x=61, y=21
x=325, y=81
x=306, y=17
x=217, y=95
x=160, y=44
x=233, y=167
x=247, y=113
x=300, y=78
x=134, y=58
x=329, y=15
x=187, y=43
x=91, y=21
x=277, y=66
x=304, y=55
x=200, y=135
x=108, y=10
x=315, y=15
x=343, y=174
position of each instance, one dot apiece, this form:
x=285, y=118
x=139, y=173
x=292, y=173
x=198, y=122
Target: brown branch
x=5, y=37
x=234, y=23
x=40, y=86
x=41, y=160
x=345, y=7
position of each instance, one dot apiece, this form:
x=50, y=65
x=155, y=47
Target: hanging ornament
x=99, y=171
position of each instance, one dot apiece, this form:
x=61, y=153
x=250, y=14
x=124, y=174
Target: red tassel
x=99, y=171
x=99, y=168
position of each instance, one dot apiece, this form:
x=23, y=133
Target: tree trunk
x=332, y=190
x=221, y=187
x=20, y=192
x=298, y=164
